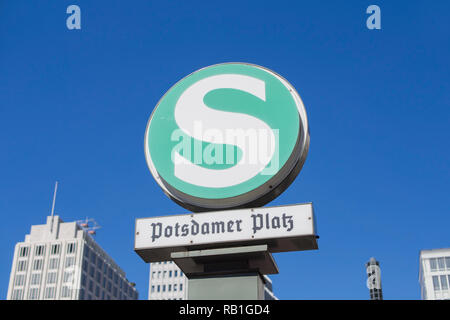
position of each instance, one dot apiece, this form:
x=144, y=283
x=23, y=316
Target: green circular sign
x=227, y=136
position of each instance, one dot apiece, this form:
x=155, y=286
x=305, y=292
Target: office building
x=434, y=274
x=61, y=261
x=167, y=282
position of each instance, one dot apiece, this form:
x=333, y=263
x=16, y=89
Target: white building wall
x=167, y=282
x=434, y=274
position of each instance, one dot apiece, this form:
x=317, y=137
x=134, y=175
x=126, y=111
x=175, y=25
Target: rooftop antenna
x=89, y=225
x=53, y=205
x=54, y=198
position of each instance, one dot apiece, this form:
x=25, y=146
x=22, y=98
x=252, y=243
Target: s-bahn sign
x=231, y=135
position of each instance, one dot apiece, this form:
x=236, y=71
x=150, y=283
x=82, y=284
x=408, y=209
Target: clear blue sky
x=74, y=107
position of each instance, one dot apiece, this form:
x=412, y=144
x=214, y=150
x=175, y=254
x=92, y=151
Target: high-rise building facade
x=61, y=261
x=434, y=274
x=167, y=282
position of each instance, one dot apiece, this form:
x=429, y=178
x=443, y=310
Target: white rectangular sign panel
x=283, y=228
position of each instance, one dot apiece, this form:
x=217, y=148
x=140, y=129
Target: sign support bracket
x=232, y=273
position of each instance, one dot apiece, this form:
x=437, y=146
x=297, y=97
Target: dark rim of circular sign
x=254, y=198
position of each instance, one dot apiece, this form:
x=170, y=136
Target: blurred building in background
x=62, y=261
x=167, y=282
x=434, y=274
x=374, y=279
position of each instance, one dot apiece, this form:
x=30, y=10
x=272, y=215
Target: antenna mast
x=54, y=198
x=53, y=205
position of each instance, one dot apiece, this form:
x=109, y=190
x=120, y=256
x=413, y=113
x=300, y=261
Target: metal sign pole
x=226, y=273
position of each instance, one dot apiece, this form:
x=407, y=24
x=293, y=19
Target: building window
x=51, y=277
x=92, y=271
x=99, y=263
x=35, y=279
x=83, y=279
x=444, y=284
x=153, y=288
x=159, y=274
x=164, y=274
x=86, y=251
x=85, y=266
x=433, y=264
x=53, y=263
x=68, y=276
x=436, y=285
x=447, y=262
x=33, y=293
x=164, y=288
x=176, y=273
x=441, y=263
x=174, y=287
x=50, y=293
x=37, y=264
x=169, y=288
x=55, y=249
x=70, y=261
x=181, y=287
x=159, y=288
x=98, y=277
x=17, y=294
x=24, y=251
x=170, y=274
x=19, y=280
x=71, y=247
x=66, y=292
x=39, y=250
x=93, y=259
x=22, y=265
